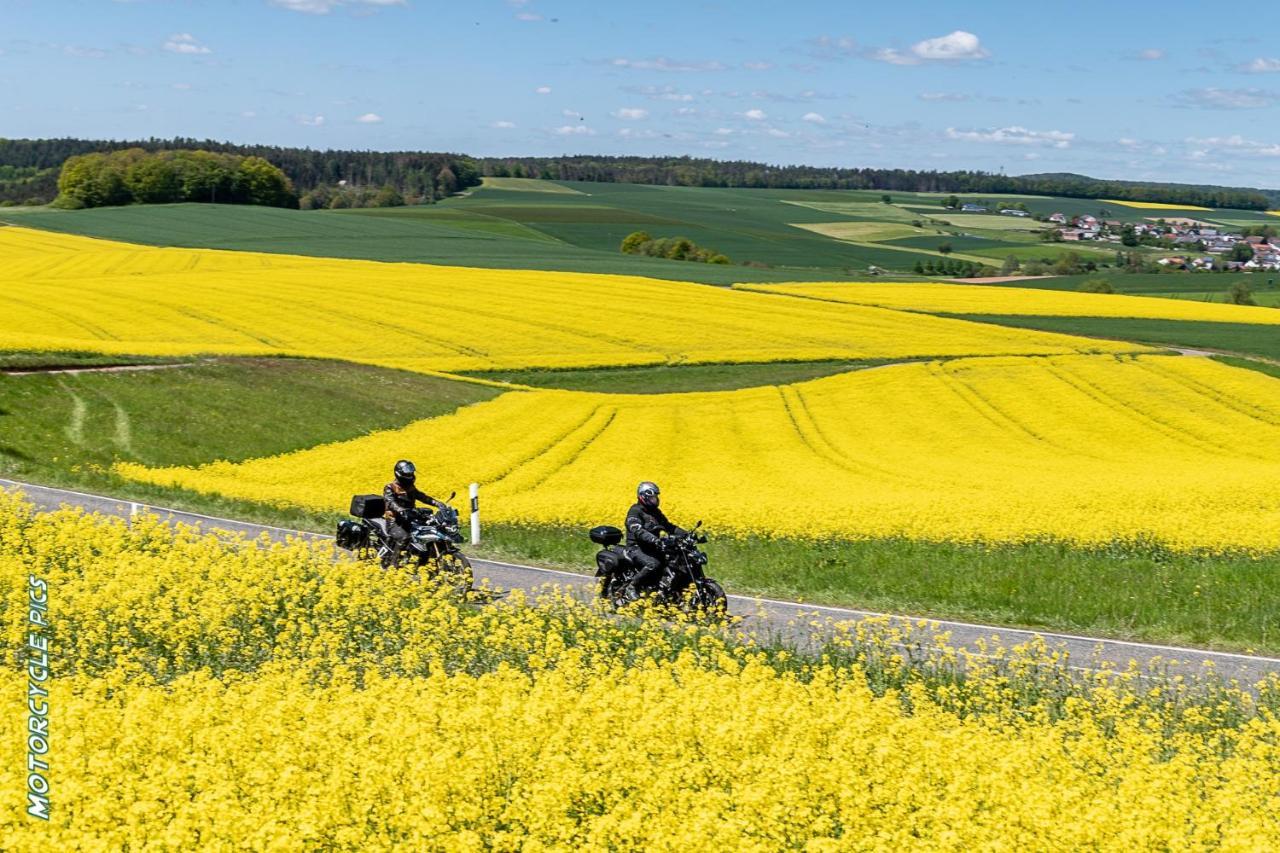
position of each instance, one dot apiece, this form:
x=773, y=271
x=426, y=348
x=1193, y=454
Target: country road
x=766, y=616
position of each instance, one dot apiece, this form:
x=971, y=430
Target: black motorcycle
x=433, y=539
x=691, y=590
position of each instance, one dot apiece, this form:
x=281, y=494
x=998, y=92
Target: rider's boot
x=664, y=584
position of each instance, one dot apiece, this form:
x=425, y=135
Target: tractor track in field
x=795, y=622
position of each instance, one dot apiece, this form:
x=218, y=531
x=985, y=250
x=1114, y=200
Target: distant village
x=1209, y=247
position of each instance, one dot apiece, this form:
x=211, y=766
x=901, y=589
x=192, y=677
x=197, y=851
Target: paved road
x=784, y=618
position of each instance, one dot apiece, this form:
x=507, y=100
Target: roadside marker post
x=475, y=513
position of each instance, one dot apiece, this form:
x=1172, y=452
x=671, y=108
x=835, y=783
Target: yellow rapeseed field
x=62, y=292
x=1086, y=449
x=216, y=696
x=1153, y=205
x=986, y=299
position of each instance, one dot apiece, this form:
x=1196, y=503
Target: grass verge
x=224, y=408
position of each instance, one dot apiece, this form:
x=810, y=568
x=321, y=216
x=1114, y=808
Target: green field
x=669, y=379
x=1247, y=339
x=418, y=235
x=522, y=223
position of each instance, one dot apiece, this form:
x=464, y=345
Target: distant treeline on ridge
x=688, y=171
x=323, y=178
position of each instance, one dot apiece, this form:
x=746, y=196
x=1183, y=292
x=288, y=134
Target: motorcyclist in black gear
x=401, y=495
x=645, y=522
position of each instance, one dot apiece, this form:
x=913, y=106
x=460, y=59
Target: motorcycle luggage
x=368, y=506
x=607, y=562
x=605, y=535
x=351, y=535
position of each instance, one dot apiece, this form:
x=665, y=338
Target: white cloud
x=248, y=114
x=185, y=43
x=815, y=118
x=543, y=90
x=1238, y=144
x=1228, y=99
x=955, y=46
x=662, y=63
x=636, y=133
x=571, y=114
x=1261, y=65
x=528, y=16
x=370, y=118
x=1014, y=135
x=1151, y=54
x=631, y=114
x=503, y=125
x=955, y=97
x=574, y=130
x=958, y=46
x=311, y=121
x=686, y=111
x=755, y=115
x=84, y=52
x=182, y=87
x=724, y=131
x=832, y=47
x=777, y=134
x=659, y=93
x=757, y=65
x=324, y=7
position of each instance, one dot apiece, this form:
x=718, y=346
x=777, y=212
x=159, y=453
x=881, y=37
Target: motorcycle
x=691, y=590
x=433, y=539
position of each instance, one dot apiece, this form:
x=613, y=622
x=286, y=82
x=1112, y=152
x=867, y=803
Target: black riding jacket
x=400, y=499
x=645, y=523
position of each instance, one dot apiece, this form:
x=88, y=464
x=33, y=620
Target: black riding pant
x=650, y=564
x=399, y=536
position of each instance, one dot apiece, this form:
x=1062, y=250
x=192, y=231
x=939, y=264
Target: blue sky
x=1168, y=91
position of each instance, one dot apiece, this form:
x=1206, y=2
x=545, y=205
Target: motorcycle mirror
x=452, y=495
x=699, y=524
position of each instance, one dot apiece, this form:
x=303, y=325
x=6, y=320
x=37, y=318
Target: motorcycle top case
x=605, y=535
x=368, y=506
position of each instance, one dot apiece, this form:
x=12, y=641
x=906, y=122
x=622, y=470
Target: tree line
x=695, y=172
x=417, y=176
x=134, y=176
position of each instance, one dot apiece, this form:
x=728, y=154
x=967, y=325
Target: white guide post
x=475, y=513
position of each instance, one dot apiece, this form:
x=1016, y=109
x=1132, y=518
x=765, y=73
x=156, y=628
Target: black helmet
x=405, y=472
x=647, y=494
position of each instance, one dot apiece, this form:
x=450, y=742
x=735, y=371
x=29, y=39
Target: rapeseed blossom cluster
x=216, y=693
x=1020, y=301
x=60, y=292
x=1088, y=450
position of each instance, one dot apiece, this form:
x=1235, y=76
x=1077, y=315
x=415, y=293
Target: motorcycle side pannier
x=351, y=535
x=368, y=506
x=606, y=535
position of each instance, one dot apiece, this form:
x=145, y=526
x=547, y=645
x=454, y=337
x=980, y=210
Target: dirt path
x=1000, y=279
x=108, y=368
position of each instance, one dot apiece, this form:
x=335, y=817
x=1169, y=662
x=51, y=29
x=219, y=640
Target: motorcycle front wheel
x=454, y=568
x=710, y=599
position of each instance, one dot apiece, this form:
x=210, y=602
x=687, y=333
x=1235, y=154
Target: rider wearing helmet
x=645, y=522
x=401, y=495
